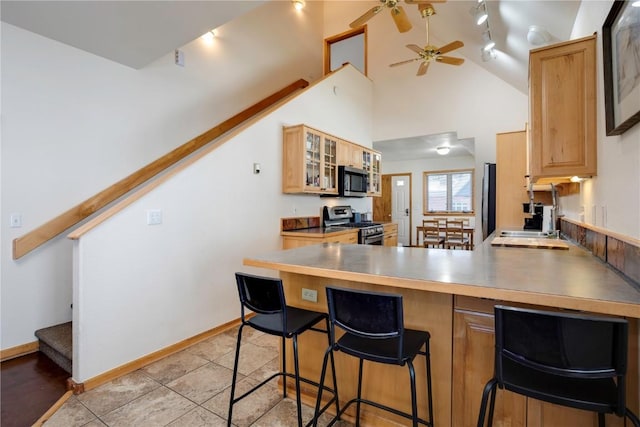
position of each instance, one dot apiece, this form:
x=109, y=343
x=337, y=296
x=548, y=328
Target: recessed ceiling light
x=208, y=36
x=443, y=150
x=298, y=4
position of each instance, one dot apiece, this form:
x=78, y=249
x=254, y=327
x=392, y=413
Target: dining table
x=468, y=230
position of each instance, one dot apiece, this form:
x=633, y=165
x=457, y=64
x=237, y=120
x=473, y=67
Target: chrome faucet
x=554, y=210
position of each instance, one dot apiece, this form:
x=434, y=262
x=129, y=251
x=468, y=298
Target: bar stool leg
x=235, y=374
x=321, y=387
x=297, y=378
x=333, y=369
x=284, y=368
x=427, y=358
x=359, y=393
x=414, y=403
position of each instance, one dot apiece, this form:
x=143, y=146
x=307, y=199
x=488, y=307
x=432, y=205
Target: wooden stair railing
x=47, y=231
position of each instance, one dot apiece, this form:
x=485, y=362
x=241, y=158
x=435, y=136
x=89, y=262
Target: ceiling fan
x=397, y=13
x=431, y=53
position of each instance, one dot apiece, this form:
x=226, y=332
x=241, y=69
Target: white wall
x=140, y=288
x=74, y=123
x=612, y=199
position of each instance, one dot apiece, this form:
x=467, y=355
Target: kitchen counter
x=451, y=294
x=571, y=279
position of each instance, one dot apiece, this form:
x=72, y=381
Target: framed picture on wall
x=621, y=57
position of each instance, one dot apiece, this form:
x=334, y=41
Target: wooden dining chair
x=431, y=234
x=455, y=236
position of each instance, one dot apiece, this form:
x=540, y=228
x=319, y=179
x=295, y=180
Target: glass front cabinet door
x=309, y=161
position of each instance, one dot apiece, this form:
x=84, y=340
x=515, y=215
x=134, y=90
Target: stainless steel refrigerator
x=488, y=200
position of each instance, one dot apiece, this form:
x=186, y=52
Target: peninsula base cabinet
x=473, y=349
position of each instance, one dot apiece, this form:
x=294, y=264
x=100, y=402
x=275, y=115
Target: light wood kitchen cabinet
x=562, y=96
x=473, y=361
x=511, y=183
x=292, y=240
x=310, y=161
x=390, y=234
x=349, y=154
x=372, y=163
x=473, y=348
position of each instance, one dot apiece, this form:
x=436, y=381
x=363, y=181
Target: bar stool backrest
x=367, y=314
x=262, y=295
x=568, y=345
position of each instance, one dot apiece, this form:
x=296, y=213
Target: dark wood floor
x=31, y=384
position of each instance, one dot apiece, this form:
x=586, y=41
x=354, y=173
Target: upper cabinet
x=349, y=154
x=372, y=162
x=310, y=161
x=562, y=85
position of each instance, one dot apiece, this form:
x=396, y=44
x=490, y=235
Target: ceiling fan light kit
x=430, y=53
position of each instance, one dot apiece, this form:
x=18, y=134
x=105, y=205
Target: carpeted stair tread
x=57, y=343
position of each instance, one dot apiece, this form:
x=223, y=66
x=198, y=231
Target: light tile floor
x=192, y=388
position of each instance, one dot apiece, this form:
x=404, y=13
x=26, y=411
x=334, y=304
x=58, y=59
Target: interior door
x=401, y=207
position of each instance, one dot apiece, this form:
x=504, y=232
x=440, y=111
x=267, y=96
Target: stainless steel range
x=369, y=233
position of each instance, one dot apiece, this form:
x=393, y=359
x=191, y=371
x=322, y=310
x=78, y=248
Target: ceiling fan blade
x=450, y=60
x=401, y=19
x=451, y=46
x=422, y=70
x=403, y=62
x=414, y=47
x=365, y=17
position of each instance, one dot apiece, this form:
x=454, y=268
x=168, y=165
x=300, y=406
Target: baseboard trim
x=53, y=409
x=127, y=368
x=19, y=350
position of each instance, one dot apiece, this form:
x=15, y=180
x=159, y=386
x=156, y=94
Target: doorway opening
x=395, y=204
x=348, y=47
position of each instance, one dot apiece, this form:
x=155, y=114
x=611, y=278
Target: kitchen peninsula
x=451, y=294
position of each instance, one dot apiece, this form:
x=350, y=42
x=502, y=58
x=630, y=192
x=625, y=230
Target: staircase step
x=56, y=342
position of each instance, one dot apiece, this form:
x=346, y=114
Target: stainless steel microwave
x=352, y=182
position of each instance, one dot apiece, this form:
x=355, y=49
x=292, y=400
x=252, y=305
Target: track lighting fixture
x=488, y=54
x=480, y=13
x=488, y=42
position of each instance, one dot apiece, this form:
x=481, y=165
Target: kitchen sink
x=525, y=233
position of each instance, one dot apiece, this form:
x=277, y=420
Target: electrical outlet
x=309, y=295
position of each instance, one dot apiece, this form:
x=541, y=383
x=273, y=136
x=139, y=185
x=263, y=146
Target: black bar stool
x=265, y=297
x=572, y=360
x=374, y=330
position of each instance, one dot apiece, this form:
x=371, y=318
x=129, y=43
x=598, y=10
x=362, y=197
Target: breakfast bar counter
x=451, y=294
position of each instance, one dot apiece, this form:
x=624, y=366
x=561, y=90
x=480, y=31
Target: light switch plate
x=154, y=217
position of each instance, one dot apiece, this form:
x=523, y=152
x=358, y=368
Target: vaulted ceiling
x=135, y=33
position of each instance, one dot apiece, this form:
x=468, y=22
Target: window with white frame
x=448, y=191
